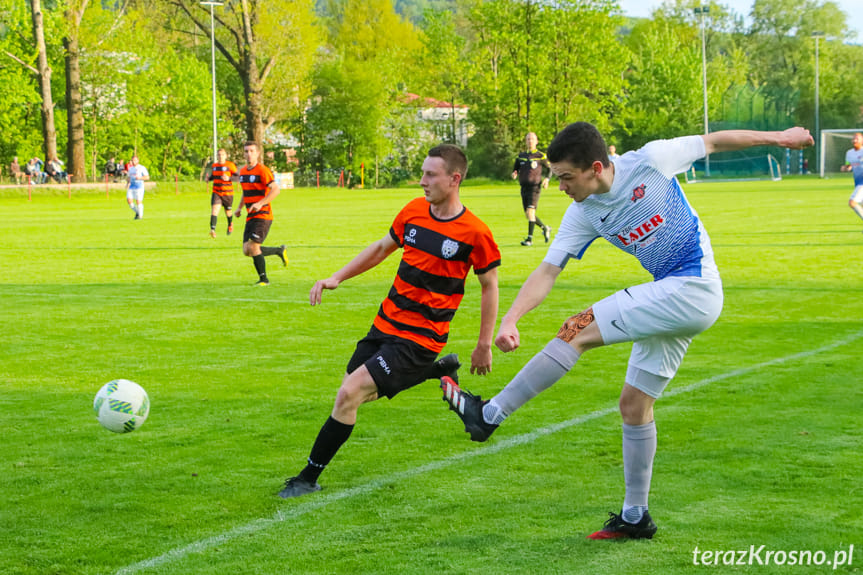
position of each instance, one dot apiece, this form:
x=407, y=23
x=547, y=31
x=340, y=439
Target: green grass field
x=759, y=435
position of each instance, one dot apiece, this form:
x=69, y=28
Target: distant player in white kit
x=636, y=204
x=138, y=174
x=854, y=164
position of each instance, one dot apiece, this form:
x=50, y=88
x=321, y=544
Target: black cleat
x=469, y=409
x=282, y=256
x=528, y=241
x=296, y=486
x=446, y=365
x=616, y=528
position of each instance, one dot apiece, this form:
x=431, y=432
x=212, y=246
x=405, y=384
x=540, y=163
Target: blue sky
x=853, y=10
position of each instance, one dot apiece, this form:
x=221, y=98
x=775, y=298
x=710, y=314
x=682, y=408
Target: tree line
x=344, y=82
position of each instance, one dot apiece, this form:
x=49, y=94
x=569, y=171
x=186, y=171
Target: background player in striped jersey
x=441, y=241
x=528, y=169
x=137, y=175
x=854, y=164
x=259, y=190
x=637, y=205
x=223, y=191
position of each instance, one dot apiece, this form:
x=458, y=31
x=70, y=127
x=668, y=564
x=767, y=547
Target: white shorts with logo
x=661, y=318
x=134, y=193
x=857, y=196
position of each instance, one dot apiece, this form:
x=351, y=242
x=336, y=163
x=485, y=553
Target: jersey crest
x=449, y=248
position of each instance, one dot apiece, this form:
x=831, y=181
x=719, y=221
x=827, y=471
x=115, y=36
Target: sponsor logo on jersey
x=641, y=234
x=412, y=236
x=637, y=193
x=449, y=248
x=383, y=364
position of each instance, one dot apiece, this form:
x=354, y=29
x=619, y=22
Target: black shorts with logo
x=395, y=364
x=530, y=195
x=227, y=200
x=256, y=230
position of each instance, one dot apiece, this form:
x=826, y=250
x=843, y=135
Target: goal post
x=834, y=144
x=742, y=168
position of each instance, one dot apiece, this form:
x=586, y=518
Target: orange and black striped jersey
x=220, y=186
x=429, y=284
x=254, y=182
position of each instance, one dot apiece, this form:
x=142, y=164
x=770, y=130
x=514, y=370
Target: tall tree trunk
x=49, y=132
x=253, y=79
x=75, y=124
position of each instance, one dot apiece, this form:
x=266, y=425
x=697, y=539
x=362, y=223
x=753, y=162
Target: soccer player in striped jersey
x=854, y=164
x=259, y=190
x=223, y=191
x=637, y=205
x=441, y=241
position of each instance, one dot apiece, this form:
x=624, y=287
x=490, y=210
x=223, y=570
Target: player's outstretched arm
x=536, y=287
x=729, y=140
x=480, y=358
x=364, y=261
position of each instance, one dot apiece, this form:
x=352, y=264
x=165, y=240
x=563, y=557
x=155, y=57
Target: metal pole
x=817, y=120
x=704, y=10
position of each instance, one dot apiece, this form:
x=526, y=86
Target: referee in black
x=528, y=169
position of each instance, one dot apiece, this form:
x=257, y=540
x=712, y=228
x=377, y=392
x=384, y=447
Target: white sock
x=639, y=448
x=140, y=210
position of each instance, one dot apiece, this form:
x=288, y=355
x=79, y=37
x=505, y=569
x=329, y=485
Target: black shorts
x=530, y=195
x=395, y=364
x=256, y=230
x=226, y=201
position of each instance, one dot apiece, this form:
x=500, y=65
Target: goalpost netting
x=741, y=168
x=834, y=144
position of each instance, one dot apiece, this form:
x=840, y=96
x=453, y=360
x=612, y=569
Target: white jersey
x=854, y=158
x=645, y=213
x=134, y=173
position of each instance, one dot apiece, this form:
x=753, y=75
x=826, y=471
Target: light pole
x=212, y=3
x=703, y=10
x=817, y=35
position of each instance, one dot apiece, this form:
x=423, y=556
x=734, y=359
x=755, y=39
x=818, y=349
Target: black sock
x=539, y=223
x=530, y=226
x=213, y=220
x=331, y=437
x=270, y=251
x=260, y=266
x=230, y=220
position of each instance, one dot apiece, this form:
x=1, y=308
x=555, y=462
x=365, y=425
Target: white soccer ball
x=121, y=406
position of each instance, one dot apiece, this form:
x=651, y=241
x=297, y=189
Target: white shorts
x=857, y=196
x=661, y=318
x=136, y=194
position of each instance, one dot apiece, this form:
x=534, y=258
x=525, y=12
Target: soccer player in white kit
x=854, y=164
x=636, y=204
x=138, y=174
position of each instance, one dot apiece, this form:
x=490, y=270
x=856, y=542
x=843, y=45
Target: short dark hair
x=252, y=143
x=453, y=157
x=580, y=144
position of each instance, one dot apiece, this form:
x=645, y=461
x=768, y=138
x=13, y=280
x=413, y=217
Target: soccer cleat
x=469, y=409
x=212, y=233
x=230, y=230
x=137, y=217
x=282, y=255
x=447, y=365
x=546, y=233
x=615, y=528
x=261, y=283
x=297, y=486
x=528, y=241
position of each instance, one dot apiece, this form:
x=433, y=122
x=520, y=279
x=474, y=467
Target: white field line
x=323, y=499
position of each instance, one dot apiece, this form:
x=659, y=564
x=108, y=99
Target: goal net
x=742, y=168
x=834, y=144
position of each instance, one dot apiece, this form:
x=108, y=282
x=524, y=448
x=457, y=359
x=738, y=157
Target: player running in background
x=528, y=169
x=637, y=205
x=259, y=190
x=854, y=164
x=441, y=241
x=223, y=191
x=137, y=175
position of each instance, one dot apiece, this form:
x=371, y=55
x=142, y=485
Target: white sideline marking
x=324, y=499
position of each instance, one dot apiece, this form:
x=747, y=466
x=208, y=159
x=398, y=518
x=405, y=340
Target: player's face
x=223, y=156
x=531, y=140
x=858, y=141
x=575, y=182
x=251, y=153
x=436, y=182
x=134, y=160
